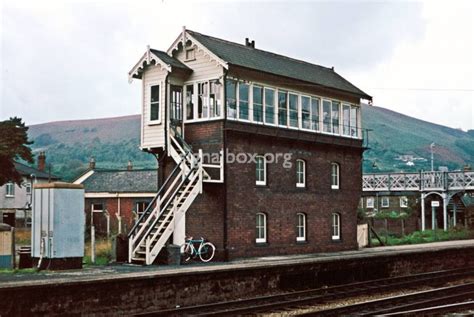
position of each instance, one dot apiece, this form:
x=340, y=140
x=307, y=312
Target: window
x=203, y=100
x=231, y=99
x=141, y=207
x=354, y=121
x=385, y=202
x=257, y=104
x=315, y=114
x=190, y=54
x=327, y=116
x=261, y=171
x=28, y=188
x=300, y=173
x=306, y=113
x=269, y=106
x=404, y=202
x=370, y=202
x=97, y=207
x=282, y=108
x=176, y=103
x=335, y=117
x=10, y=189
x=261, y=234
x=155, y=103
x=215, y=98
x=243, y=101
x=346, y=114
x=301, y=227
x=293, y=106
x=334, y=176
x=189, y=102
x=336, y=226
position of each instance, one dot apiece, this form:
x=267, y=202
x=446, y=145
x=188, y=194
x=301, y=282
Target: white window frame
x=140, y=202
x=338, y=175
x=258, y=181
x=28, y=188
x=385, y=202
x=301, y=184
x=160, y=103
x=301, y=224
x=336, y=226
x=262, y=105
x=261, y=228
x=221, y=107
x=94, y=210
x=354, y=109
x=192, y=54
x=370, y=202
x=10, y=189
x=404, y=202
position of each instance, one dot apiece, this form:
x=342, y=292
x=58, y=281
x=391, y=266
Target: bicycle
x=205, y=250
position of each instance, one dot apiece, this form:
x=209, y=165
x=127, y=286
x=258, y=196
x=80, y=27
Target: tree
x=13, y=146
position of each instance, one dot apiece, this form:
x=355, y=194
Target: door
x=176, y=108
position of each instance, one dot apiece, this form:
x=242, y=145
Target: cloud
x=68, y=60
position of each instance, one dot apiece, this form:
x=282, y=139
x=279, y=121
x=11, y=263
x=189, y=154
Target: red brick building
x=115, y=198
x=260, y=153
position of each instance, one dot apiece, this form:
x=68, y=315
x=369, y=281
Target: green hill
x=397, y=143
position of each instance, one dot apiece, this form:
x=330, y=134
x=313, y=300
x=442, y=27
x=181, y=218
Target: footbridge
x=443, y=184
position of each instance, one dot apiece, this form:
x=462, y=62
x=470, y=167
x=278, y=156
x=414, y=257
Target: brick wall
x=281, y=200
x=119, y=295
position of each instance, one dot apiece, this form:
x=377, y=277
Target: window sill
x=301, y=241
x=261, y=244
x=338, y=240
x=10, y=196
x=301, y=186
x=154, y=122
x=335, y=187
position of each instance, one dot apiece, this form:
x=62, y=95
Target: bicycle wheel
x=186, y=252
x=206, y=251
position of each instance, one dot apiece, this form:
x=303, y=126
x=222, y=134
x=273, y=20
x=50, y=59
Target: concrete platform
x=126, y=271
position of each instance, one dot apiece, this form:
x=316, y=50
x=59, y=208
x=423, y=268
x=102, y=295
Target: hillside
x=402, y=143
x=397, y=142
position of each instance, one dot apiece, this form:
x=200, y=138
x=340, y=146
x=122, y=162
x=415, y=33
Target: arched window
x=301, y=227
x=334, y=175
x=261, y=232
x=336, y=226
x=300, y=173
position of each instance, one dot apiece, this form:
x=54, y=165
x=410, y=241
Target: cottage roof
x=173, y=62
x=256, y=59
x=26, y=171
x=122, y=181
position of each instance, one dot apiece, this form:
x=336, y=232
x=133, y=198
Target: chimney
x=92, y=163
x=129, y=166
x=41, y=161
x=248, y=43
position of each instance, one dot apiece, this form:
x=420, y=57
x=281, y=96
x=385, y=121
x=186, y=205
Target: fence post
x=93, y=244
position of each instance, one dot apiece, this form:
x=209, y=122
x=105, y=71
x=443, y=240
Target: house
x=258, y=152
x=15, y=201
x=115, y=198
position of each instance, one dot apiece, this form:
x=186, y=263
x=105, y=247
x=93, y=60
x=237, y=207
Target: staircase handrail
x=170, y=200
x=147, y=210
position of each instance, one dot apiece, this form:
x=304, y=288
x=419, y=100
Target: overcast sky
x=63, y=60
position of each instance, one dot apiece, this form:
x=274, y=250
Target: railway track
x=435, y=301
x=272, y=303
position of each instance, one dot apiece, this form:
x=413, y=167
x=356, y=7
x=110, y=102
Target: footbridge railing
x=423, y=181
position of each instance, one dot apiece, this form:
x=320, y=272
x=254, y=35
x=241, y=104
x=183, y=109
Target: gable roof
x=244, y=56
x=173, y=62
x=26, y=170
x=122, y=181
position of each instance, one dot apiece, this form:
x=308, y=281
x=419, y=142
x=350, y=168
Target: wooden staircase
x=156, y=224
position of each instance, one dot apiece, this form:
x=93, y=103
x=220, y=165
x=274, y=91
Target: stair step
x=138, y=259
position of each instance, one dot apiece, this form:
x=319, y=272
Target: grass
x=18, y=271
x=103, y=252
x=426, y=236
x=23, y=236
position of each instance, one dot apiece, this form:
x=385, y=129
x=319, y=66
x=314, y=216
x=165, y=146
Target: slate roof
x=241, y=55
x=120, y=181
x=26, y=170
x=173, y=62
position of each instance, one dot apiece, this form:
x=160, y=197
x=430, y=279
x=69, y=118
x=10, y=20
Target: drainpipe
x=166, y=112
x=224, y=143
